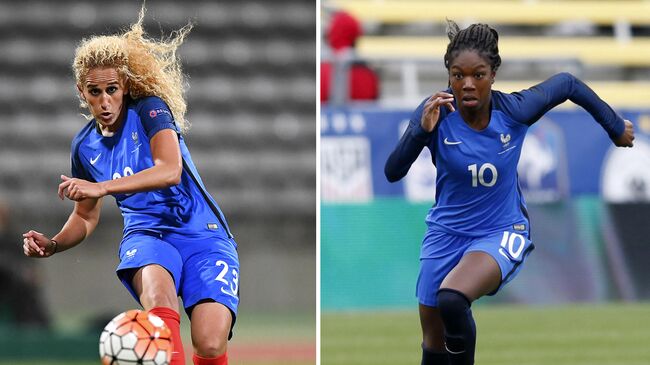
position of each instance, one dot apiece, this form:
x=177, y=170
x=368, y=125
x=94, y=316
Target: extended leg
x=155, y=287
x=476, y=274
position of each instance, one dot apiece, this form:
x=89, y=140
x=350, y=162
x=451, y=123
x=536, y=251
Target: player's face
x=104, y=91
x=471, y=77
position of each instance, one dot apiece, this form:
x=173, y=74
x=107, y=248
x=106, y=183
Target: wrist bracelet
x=56, y=245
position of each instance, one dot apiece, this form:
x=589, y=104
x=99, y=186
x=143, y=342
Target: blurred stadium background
x=588, y=201
x=251, y=102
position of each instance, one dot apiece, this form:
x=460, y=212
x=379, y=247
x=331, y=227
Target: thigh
x=440, y=253
x=476, y=274
x=154, y=285
x=141, y=250
x=509, y=249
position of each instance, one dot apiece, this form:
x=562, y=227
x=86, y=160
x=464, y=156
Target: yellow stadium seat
x=504, y=12
x=587, y=50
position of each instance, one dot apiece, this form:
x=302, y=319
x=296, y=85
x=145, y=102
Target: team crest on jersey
x=134, y=136
x=505, y=139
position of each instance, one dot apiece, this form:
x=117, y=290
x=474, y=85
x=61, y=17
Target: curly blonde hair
x=150, y=67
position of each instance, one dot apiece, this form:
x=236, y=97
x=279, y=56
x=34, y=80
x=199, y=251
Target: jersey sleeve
x=410, y=145
x=529, y=105
x=155, y=115
x=77, y=170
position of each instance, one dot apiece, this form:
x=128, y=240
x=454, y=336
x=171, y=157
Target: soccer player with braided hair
x=478, y=231
x=176, y=240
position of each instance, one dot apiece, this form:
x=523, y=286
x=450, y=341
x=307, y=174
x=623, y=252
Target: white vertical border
x=318, y=187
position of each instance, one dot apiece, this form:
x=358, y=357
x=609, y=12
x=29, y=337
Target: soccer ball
x=135, y=337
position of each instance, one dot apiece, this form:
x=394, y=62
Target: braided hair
x=477, y=37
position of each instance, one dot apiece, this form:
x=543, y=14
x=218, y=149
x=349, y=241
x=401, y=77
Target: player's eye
x=479, y=75
x=456, y=75
x=95, y=91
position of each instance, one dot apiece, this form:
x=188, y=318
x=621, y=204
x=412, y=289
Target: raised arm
x=531, y=104
x=417, y=135
x=167, y=170
x=80, y=224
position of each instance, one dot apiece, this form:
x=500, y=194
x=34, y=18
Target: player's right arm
x=418, y=134
x=80, y=224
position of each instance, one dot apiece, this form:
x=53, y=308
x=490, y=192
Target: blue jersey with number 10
x=477, y=188
x=185, y=210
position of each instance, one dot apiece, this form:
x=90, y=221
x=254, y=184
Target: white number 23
x=232, y=286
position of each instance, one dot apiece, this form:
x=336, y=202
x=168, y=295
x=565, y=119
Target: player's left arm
x=531, y=104
x=166, y=172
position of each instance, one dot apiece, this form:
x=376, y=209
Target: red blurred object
x=363, y=82
x=343, y=31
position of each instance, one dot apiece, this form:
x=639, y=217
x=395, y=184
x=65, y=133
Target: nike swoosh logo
x=93, y=160
x=452, y=143
x=228, y=293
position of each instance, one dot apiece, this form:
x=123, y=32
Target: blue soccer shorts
x=441, y=252
x=203, y=269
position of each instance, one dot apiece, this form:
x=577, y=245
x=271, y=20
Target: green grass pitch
x=260, y=339
x=612, y=334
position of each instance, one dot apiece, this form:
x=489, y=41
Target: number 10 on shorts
x=512, y=245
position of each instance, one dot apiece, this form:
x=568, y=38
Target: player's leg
x=440, y=253
x=150, y=269
x=211, y=324
x=476, y=274
x=433, y=343
x=210, y=293
x=155, y=287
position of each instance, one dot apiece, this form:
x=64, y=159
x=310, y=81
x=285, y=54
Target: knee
x=210, y=347
x=158, y=298
x=452, y=303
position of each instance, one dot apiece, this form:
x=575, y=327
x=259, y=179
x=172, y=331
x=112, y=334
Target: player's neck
x=476, y=119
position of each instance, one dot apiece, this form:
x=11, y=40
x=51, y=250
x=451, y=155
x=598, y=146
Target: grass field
x=269, y=339
x=613, y=334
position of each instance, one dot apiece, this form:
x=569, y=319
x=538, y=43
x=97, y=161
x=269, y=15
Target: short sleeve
x=77, y=170
x=155, y=115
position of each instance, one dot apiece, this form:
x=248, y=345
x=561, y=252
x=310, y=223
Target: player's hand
x=431, y=112
x=626, y=139
x=79, y=189
x=36, y=244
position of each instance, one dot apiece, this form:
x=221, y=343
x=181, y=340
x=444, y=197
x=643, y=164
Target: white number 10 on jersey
x=478, y=175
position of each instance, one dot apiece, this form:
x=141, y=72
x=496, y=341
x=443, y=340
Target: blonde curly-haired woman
x=176, y=239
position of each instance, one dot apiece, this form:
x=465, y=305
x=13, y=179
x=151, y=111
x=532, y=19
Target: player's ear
x=81, y=92
x=126, y=86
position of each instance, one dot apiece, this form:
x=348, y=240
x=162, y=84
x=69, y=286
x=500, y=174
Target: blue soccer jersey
x=186, y=209
x=477, y=188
